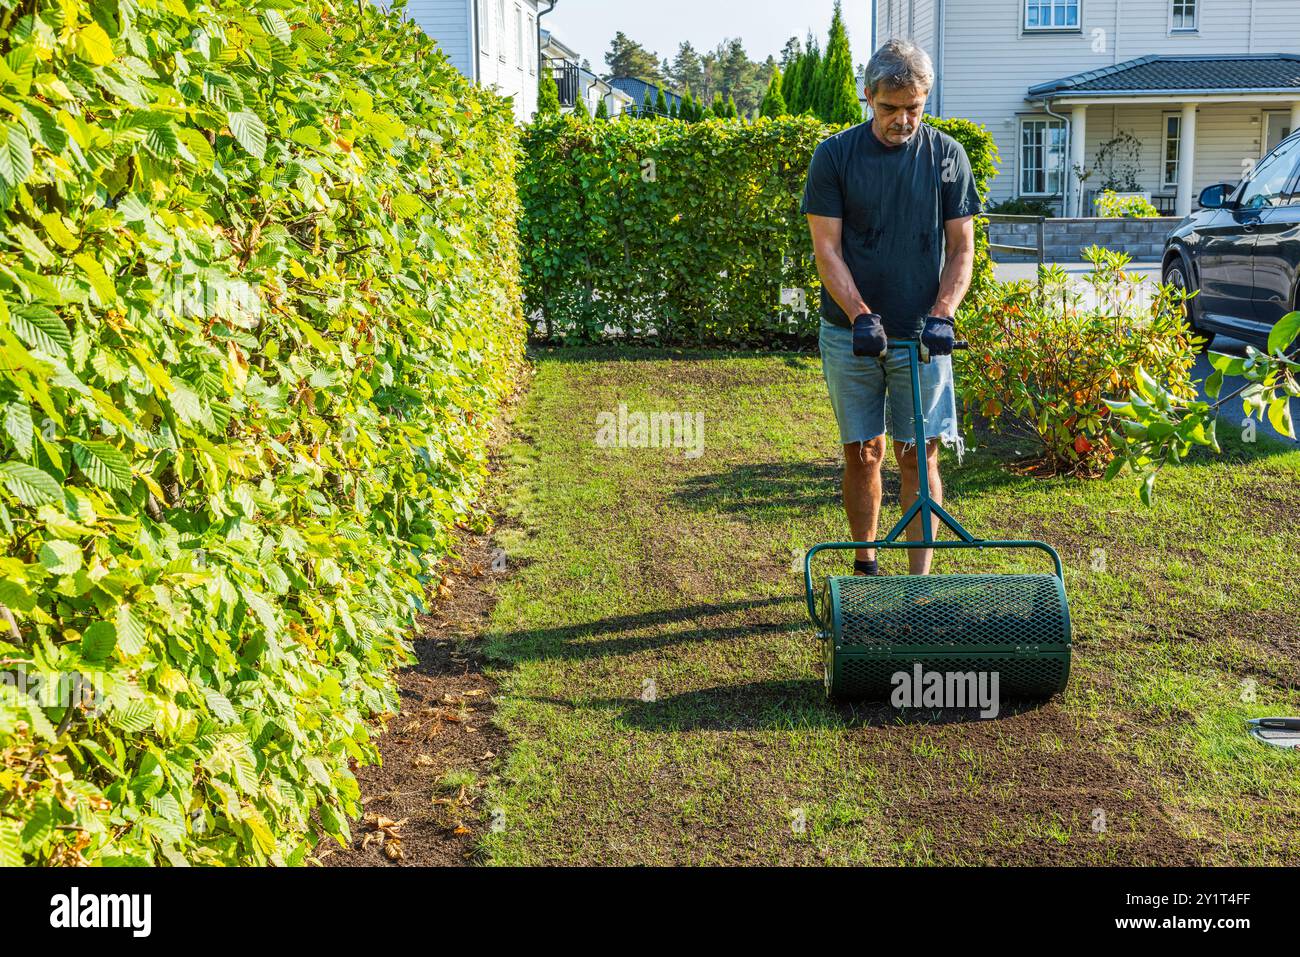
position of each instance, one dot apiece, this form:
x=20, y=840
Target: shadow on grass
x=775, y=705
x=582, y=641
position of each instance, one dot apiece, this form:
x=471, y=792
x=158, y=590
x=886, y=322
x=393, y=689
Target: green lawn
x=644, y=570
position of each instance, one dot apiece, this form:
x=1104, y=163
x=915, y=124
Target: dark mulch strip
x=445, y=727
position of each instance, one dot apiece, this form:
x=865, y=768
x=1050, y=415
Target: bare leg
x=918, y=559
x=862, y=491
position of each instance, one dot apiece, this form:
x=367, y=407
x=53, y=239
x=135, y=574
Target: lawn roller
x=873, y=627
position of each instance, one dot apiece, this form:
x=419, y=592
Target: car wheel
x=1176, y=276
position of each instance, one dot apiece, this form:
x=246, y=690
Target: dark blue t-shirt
x=894, y=201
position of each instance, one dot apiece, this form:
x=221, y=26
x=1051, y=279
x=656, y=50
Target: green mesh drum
x=1017, y=626
x=874, y=627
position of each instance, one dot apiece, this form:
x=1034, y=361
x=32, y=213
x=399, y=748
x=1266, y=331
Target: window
x=501, y=29
x=519, y=37
x=532, y=44
x=1042, y=157
x=484, y=28
x=1173, y=137
x=1052, y=14
x=1182, y=15
x=1270, y=177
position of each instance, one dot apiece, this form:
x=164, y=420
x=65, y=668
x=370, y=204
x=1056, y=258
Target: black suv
x=1241, y=250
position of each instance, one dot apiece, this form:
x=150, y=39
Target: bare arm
x=959, y=235
x=831, y=267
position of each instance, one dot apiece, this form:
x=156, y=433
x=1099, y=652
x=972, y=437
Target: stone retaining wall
x=1143, y=239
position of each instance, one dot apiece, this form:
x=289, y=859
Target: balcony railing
x=566, y=77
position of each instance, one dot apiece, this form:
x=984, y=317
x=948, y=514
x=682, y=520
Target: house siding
x=446, y=22
x=451, y=24
x=990, y=63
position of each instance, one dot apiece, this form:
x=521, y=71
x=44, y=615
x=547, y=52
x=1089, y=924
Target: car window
x=1271, y=176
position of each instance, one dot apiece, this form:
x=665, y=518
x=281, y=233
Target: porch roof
x=1173, y=75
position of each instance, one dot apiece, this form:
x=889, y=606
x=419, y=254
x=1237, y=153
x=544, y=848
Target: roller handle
x=922, y=352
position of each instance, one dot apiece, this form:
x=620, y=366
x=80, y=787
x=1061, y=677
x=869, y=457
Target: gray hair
x=900, y=64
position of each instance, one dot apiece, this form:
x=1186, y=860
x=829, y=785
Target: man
x=890, y=204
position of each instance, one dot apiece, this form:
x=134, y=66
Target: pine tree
x=661, y=103
x=647, y=105
x=790, y=83
x=731, y=108
x=580, y=109
x=836, y=97
x=602, y=111
x=684, y=111
x=809, y=71
x=548, y=96
x=774, y=101
x=719, y=107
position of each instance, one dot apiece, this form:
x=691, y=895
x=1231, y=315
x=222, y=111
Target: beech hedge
x=259, y=301
x=671, y=232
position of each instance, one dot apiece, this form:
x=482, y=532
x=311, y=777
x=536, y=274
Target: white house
x=496, y=43
x=1205, y=87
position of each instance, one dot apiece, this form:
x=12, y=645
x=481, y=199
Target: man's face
x=896, y=114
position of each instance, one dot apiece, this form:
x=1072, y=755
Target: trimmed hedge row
x=682, y=233
x=259, y=300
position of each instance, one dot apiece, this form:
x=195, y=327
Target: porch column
x=1186, y=169
x=1295, y=116
x=1078, y=152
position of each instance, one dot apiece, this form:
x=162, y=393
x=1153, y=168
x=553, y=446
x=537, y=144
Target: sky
x=588, y=26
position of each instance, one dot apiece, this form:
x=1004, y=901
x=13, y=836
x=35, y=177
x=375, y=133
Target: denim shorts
x=865, y=392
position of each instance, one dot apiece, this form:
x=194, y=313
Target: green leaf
x=15, y=156
x=99, y=279
x=220, y=706
x=130, y=632
x=1279, y=416
x=222, y=90
x=103, y=464
x=1283, y=333
x=1148, y=484
x=134, y=718
x=41, y=329
x=249, y=132
x=11, y=843
x=30, y=485
x=93, y=44
x=18, y=424
x=98, y=641
x=60, y=557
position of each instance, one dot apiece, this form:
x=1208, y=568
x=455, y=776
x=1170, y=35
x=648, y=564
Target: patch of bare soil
x=423, y=803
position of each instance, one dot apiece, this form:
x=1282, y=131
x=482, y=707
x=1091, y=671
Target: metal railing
x=565, y=73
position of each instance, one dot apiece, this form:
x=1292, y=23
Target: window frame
x=1166, y=183
x=519, y=37
x=532, y=43
x=484, y=27
x=1048, y=123
x=1076, y=27
x=1196, y=16
x=501, y=20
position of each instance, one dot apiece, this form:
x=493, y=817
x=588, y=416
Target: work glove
x=938, y=335
x=869, y=337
